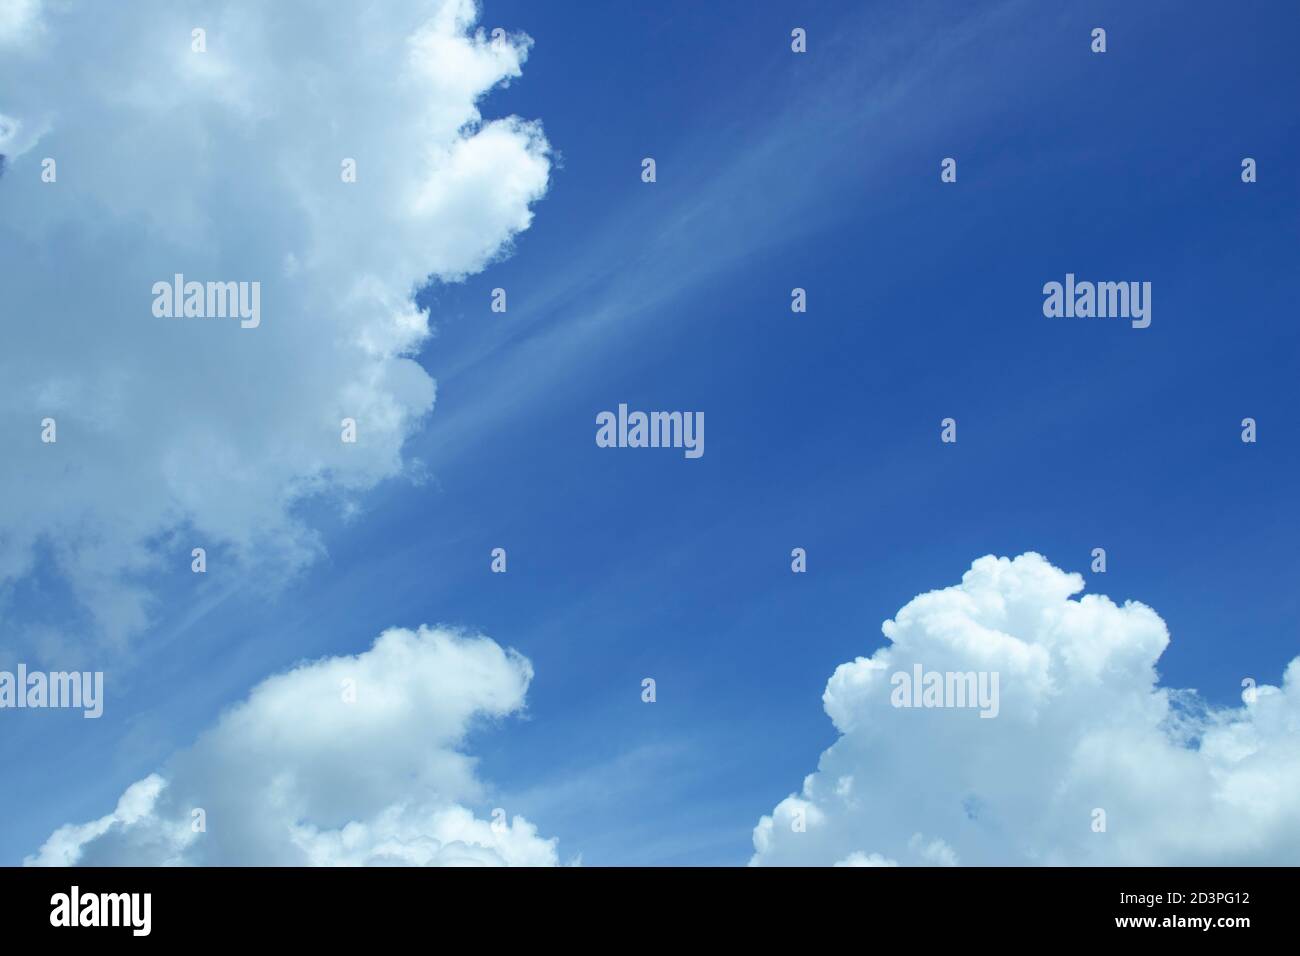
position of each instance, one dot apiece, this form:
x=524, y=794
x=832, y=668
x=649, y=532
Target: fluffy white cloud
x=19, y=19
x=1082, y=725
x=225, y=165
x=297, y=774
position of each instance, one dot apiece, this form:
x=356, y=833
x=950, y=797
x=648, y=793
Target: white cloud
x=865, y=859
x=1082, y=726
x=225, y=166
x=296, y=775
x=19, y=21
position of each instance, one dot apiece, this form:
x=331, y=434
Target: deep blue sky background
x=820, y=171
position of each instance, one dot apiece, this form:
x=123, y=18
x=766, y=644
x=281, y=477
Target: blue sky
x=776, y=170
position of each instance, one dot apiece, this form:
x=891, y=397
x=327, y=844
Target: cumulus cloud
x=19, y=20
x=1083, y=728
x=304, y=772
x=226, y=165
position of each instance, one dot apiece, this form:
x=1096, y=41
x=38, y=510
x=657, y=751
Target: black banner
x=333, y=906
